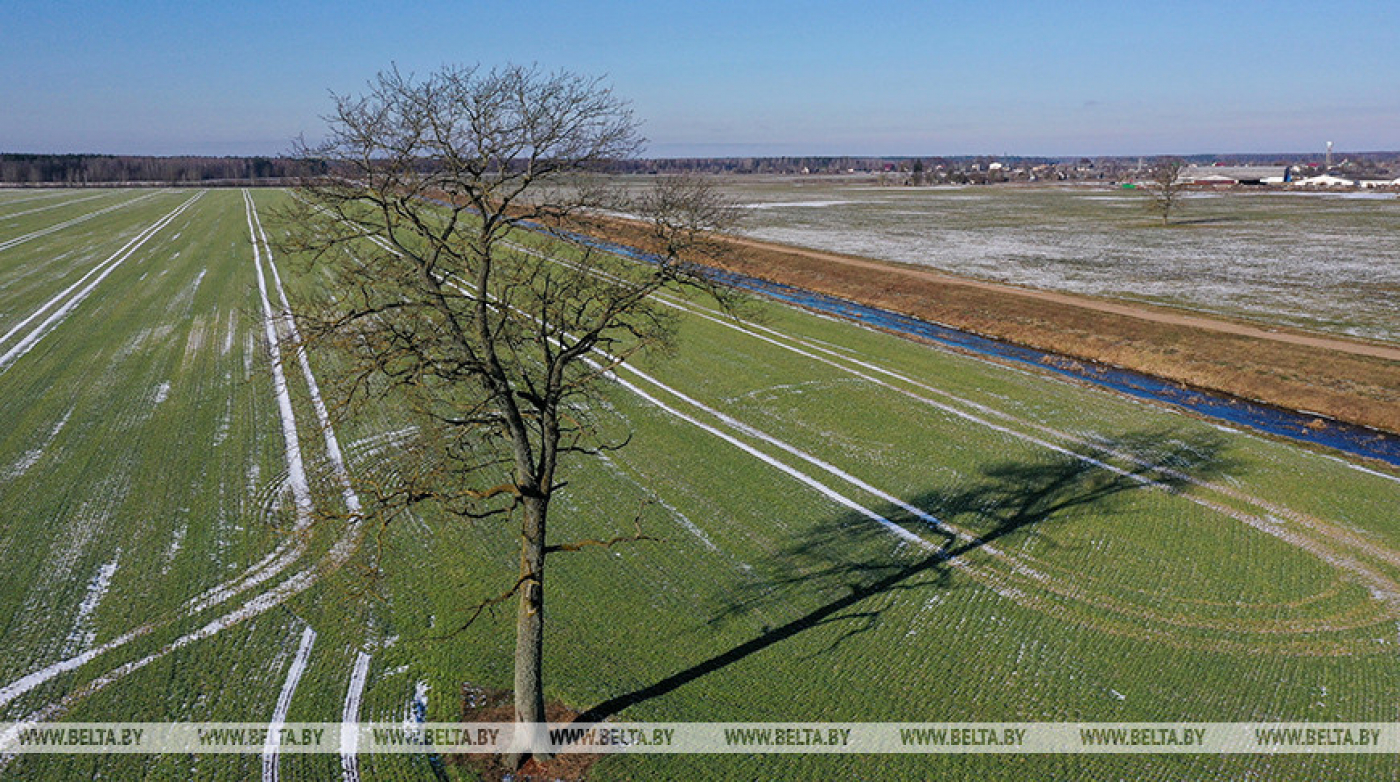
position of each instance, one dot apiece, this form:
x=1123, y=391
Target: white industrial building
x=1325, y=180
x=1234, y=175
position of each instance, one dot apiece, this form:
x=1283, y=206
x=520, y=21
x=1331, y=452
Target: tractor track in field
x=1338, y=547
x=40, y=196
x=350, y=715
x=1016, y=577
x=69, y=298
x=18, y=240
x=284, y=705
x=273, y=565
x=4, y=218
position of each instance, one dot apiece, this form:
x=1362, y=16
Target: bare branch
x=474, y=613
x=582, y=544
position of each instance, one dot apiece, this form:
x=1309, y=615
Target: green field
x=1114, y=561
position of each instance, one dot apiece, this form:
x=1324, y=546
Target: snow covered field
x=1327, y=262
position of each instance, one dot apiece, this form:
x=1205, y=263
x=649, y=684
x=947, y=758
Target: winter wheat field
x=173, y=505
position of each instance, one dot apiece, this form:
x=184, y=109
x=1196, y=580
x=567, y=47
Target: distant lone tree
x=442, y=230
x=1166, y=187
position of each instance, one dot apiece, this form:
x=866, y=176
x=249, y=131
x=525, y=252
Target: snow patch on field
x=902, y=533
x=1362, y=469
x=148, y=336
x=375, y=444
x=230, y=333
x=7, y=244
x=72, y=541
x=787, y=204
x=33, y=455
x=16, y=215
x=184, y=300
x=250, y=347
x=769, y=394
x=161, y=393
x=194, y=344
x=225, y=424
x=254, y=476
x=60, y=306
x=273, y=565
x=84, y=632
x=258, y=605
x=1327, y=266
x=919, y=619
x=1346, y=196
x=417, y=711
x=691, y=527
x=177, y=541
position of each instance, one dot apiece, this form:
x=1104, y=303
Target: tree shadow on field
x=846, y=563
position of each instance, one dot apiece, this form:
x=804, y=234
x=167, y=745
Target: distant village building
x=1228, y=176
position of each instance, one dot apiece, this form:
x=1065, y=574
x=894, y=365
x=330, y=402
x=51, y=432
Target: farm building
x=1234, y=175
x=1325, y=180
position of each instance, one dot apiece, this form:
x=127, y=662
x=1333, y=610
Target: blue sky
x=730, y=78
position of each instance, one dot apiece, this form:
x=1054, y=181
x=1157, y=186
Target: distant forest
x=80, y=170
x=126, y=169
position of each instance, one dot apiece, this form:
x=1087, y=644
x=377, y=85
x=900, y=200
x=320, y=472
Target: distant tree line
x=752, y=165
x=990, y=169
x=102, y=169
x=796, y=165
x=78, y=170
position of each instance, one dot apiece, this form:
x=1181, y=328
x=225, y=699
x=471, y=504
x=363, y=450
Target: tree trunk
x=529, y=638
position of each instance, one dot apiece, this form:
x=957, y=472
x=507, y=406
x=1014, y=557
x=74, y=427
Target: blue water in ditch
x=1303, y=427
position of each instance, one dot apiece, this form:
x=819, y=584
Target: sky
x=713, y=78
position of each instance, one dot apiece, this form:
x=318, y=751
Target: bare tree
x=445, y=227
x=1166, y=187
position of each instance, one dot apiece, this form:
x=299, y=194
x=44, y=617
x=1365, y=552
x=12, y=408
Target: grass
x=1097, y=598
